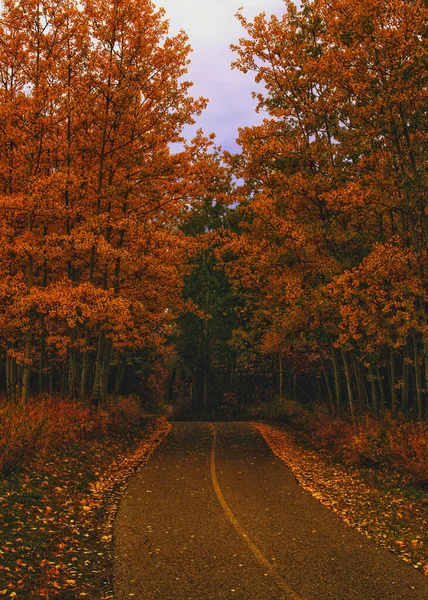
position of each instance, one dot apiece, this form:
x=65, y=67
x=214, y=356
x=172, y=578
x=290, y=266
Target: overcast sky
x=212, y=27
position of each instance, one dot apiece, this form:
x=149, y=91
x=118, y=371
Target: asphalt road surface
x=214, y=514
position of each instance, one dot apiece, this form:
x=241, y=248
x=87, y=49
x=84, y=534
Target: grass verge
x=57, y=505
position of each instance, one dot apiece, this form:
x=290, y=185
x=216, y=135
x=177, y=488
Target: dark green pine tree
x=206, y=363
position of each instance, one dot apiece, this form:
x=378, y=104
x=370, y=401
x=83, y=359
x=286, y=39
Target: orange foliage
x=333, y=245
x=93, y=94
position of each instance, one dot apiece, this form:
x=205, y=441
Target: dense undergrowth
x=34, y=429
x=390, y=442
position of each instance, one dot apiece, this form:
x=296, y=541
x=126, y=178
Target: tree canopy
x=218, y=276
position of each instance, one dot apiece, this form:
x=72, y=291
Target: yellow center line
x=261, y=559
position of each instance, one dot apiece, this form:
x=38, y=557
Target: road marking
x=258, y=555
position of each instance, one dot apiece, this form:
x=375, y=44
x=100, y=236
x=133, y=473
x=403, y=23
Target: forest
x=147, y=278
x=295, y=268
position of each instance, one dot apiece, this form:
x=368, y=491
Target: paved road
x=214, y=515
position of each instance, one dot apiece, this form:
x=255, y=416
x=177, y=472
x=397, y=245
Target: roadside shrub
x=285, y=411
x=123, y=412
x=387, y=442
x=328, y=433
x=368, y=444
x=408, y=445
x=231, y=407
x=31, y=430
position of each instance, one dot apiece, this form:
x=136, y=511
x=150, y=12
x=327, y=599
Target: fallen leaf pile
x=56, y=517
x=381, y=504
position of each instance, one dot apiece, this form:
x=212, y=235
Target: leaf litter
x=56, y=516
x=381, y=504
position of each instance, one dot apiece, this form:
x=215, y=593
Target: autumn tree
x=92, y=96
x=333, y=195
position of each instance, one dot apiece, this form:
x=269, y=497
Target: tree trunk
x=26, y=370
x=105, y=374
x=375, y=395
x=380, y=382
x=393, y=377
x=97, y=386
x=120, y=377
x=330, y=392
x=406, y=376
x=14, y=374
x=361, y=392
x=418, y=376
x=85, y=365
x=206, y=366
x=11, y=382
x=281, y=378
x=51, y=377
x=337, y=379
x=345, y=358
x=72, y=374
x=8, y=375
x=64, y=377
x=41, y=362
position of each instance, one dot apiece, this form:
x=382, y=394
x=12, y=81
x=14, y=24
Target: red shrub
x=329, y=433
x=391, y=442
x=30, y=430
x=123, y=412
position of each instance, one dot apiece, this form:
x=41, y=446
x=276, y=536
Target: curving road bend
x=215, y=515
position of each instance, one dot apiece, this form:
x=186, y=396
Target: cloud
x=212, y=27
